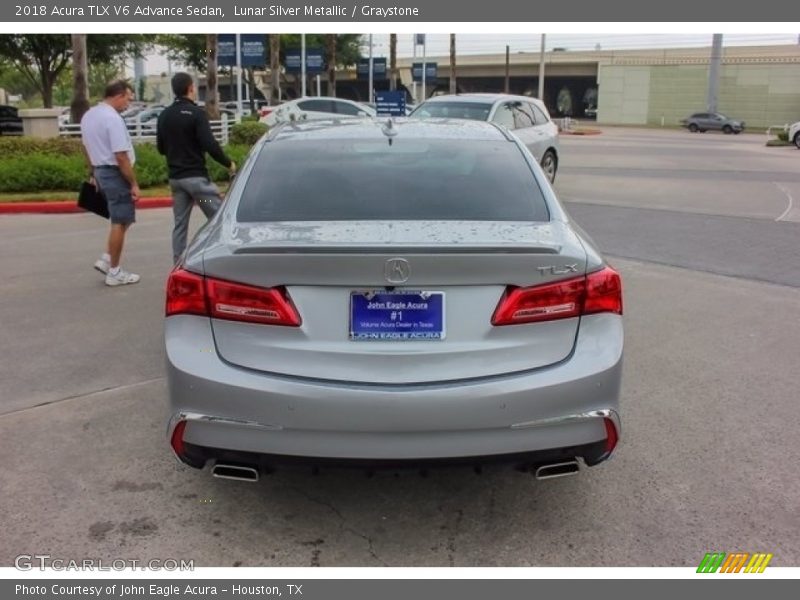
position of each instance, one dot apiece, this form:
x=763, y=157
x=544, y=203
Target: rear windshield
x=411, y=179
x=473, y=111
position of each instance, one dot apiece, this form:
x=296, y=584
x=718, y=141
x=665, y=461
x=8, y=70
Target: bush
x=237, y=154
x=783, y=136
x=58, y=164
x=247, y=132
x=16, y=146
x=150, y=167
x=39, y=172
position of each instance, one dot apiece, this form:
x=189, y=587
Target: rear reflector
x=596, y=292
x=177, y=439
x=192, y=294
x=612, y=436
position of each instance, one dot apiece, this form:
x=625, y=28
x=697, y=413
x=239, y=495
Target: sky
x=438, y=44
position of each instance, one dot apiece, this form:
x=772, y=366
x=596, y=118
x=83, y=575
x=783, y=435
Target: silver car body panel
x=309, y=391
x=256, y=412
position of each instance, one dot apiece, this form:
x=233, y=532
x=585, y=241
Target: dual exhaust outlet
x=241, y=473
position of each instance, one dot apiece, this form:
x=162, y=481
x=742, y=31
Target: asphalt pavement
x=708, y=459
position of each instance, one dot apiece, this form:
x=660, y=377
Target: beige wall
x=624, y=95
x=759, y=94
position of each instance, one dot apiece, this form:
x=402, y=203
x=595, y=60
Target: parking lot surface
x=705, y=230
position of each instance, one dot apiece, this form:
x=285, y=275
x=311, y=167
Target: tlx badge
x=558, y=269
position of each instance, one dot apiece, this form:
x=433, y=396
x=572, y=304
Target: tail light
x=266, y=111
x=596, y=292
x=192, y=294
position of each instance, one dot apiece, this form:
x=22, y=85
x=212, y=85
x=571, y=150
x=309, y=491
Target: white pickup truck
x=794, y=134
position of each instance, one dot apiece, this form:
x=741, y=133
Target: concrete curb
x=69, y=206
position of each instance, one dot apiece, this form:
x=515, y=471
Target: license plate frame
x=397, y=315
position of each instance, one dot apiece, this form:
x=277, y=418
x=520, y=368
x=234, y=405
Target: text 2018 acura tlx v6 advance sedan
x=392, y=293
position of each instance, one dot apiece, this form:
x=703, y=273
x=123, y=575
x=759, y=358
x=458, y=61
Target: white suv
x=318, y=107
x=794, y=134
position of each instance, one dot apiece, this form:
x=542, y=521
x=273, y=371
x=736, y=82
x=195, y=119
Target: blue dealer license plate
x=397, y=315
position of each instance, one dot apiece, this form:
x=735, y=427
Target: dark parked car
x=704, y=121
x=10, y=121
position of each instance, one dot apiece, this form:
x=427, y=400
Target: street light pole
x=238, y=74
x=424, y=43
x=541, y=72
x=303, y=65
x=370, y=69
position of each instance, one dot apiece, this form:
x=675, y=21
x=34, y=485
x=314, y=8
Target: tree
x=80, y=78
x=100, y=74
x=330, y=51
x=275, y=68
x=41, y=58
x=212, y=91
x=392, y=61
x=190, y=49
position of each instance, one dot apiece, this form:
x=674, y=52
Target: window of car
x=409, y=179
x=523, y=116
x=538, y=115
x=345, y=108
x=473, y=111
x=317, y=106
x=504, y=115
x=699, y=116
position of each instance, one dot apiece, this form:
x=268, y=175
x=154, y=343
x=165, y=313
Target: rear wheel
x=550, y=165
x=727, y=129
x=693, y=127
x=797, y=140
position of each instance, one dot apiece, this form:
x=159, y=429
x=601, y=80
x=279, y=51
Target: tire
x=797, y=140
x=727, y=129
x=693, y=127
x=549, y=165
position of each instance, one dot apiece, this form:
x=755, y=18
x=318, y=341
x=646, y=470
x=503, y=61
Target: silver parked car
x=526, y=117
x=704, y=121
x=388, y=292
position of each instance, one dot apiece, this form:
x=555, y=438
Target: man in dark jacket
x=184, y=136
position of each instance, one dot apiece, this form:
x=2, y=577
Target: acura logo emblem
x=397, y=270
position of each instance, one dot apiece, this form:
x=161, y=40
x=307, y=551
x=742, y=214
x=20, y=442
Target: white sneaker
x=121, y=278
x=101, y=264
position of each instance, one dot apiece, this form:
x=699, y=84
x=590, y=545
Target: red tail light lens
x=192, y=294
x=600, y=291
x=237, y=302
x=185, y=294
x=548, y=302
x=603, y=292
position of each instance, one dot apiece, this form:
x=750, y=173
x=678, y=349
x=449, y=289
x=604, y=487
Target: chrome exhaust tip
x=236, y=472
x=562, y=469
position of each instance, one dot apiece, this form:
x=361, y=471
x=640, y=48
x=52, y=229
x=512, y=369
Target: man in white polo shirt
x=110, y=153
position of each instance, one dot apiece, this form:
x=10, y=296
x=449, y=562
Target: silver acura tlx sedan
x=392, y=293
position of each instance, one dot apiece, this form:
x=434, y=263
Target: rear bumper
x=232, y=412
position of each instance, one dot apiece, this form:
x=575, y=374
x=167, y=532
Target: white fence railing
x=784, y=127
x=145, y=132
